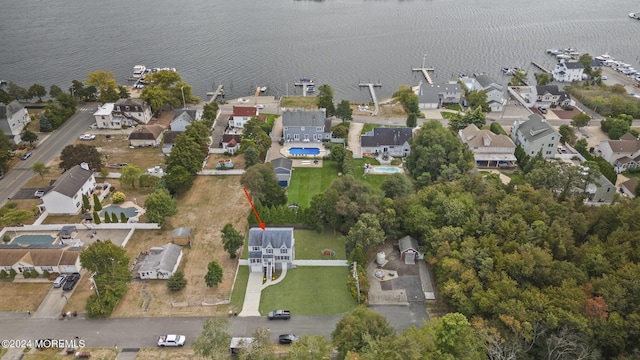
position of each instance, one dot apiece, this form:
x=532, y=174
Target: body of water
x=243, y=44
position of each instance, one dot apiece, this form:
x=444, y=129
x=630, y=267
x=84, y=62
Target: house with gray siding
x=536, y=135
x=386, y=141
x=183, y=118
x=271, y=249
x=283, y=167
x=305, y=126
x=600, y=190
x=13, y=118
x=437, y=95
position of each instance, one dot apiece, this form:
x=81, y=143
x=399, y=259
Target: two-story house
x=495, y=92
x=568, y=71
x=600, y=190
x=306, y=125
x=13, y=118
x=134, y=109
x=65, y=196
x=436, y=96
x=623, y=154
x=271, y=249
x=242, y=114
x=551, y=95
x=489, y=150
x=106, y=118
x=386, y=141
x=536, y=135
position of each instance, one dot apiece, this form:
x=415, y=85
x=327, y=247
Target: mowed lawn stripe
x=307, y=182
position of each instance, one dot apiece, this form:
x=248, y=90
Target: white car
x=171, y=340
x=259, y=106
x=87, y=137
x=243, y=101
x=38, y=193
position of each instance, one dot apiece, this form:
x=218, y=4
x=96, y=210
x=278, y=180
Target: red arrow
x=262, y=225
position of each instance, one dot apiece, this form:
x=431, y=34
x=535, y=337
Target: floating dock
x=425, y=72
x=372, y=87
x=541, y=67
x=214, y=95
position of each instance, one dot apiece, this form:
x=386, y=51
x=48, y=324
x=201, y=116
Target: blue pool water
x=303, y=151
x=34, y=240
x=129, y=212
x=387, y=170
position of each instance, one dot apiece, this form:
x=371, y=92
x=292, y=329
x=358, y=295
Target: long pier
x=372, y=86
x=541, y=67
x=214, y=95
x=425, y=72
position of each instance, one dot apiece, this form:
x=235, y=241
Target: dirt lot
x=21, y=297
x=177, y=354
x=212, y=202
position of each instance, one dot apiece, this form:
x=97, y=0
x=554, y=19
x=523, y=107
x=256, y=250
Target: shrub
x=114, y=218
x=123, y=218
x=6, y=238
x=107, y=218
x=3, y=274
x=177, y=281
x=118, y=197
x=34, y=273
x=12, y=273
x=45, y=274
x=96, y=218
x=53, y=276
x=97, y=205
x=26, y=274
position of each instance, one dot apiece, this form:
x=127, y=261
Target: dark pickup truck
x=279, y=315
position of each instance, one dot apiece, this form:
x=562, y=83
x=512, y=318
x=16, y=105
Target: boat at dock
x=138, y=71
x=510, y=71
x=263, y=89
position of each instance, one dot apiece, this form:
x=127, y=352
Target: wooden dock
x=305, y=85
x=372, y=86
x=214, y=95
x=541, y=67
x=425, y=72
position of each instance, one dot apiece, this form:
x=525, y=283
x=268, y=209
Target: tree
x=454, y=336
x=580, y=120
x=519, y=78
x=16, y=91
x=38, y=91
x=478, y=98
x=344, y=111
x=96, y=217
x=29, y=136
x=54, y=91
x=396, y=185
x=45, y=124
x=475, y=117
x=412, y=120
x=86, y=205
x=354, y=329
x=254, y=135
x=337, y=153
x=123, y=218
x=261, y=348
x=118, y=197
x=407, y=98
x=260, y=180
x=214, y=274
x=156, y=97
x=251, y=157
x=176, y=282
x=97, y=205
x=310, y=347
x=178, y=179
x=567, y=133
x=105, y=82
x=73, y=155
x=130, y=174
x=114, y=218
x=105, y=257
x=15, y=217
x=199, y=132
x=585, y=60
x=123, y=93
x=325, y=99
x=187, y=153
x=543, y=78
x=231, y=239
x=159, y=205
x=366, y=234
x=40, y=168
x=213, y=342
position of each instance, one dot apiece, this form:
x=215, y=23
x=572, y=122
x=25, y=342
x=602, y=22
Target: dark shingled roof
x=146, y=132
x=170, y=136
x=382, y=136
x=72, y=180
x=189, y=112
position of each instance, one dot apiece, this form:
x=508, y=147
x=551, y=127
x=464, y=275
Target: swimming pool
x=129, y=212
x=387, y=169
x=298, y=151
x=33, y=240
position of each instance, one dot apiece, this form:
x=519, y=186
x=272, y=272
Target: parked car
x=542, y=110
x=279, y=315
x=87, y=137
x=171, y=340
x=59, y=281
x=71, y=282
x=259, y=106
x=38, y=193
x=27, y=155
x=288, y=338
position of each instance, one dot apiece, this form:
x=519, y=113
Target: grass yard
x=318, y=291
x=22, y=296
x=307, y=182
x=448, y=115
x=240, y=288
x=166, y=353
x=309, y=245
x=374, y=180
x=49, y=354
x=309, y=102
x=368, y=127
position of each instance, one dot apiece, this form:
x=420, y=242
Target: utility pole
x=355, y=276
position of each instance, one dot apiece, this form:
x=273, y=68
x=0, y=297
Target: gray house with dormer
x=386, y=141
x=271, y=249
x=495, y=92
x=183, y=118
x=437, y=95
x=13, y=118
x=536, y=135
x=305, y=126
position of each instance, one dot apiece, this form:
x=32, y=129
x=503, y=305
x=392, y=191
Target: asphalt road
x=48, y=148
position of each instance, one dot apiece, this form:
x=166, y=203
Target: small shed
x=409, y=250
x=67, y=232
x=182, y=236
x=282, y=167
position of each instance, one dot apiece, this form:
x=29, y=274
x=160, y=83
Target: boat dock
x=425, y=72
x=372, y=87
x=214, y=95
x=307, y=85
x=541, y=67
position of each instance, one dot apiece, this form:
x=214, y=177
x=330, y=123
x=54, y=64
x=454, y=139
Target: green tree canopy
x=580, y=120
x=543, y=78
x=73, y=155
x=130, y=174
x=260, y=180
x=37, y=91
x=354, y=330
x=231, y=239
x=396, y=185
x=325, y=99
x=159, y=205
x=214, y=274
x=178, y=179
x=186, y=152
x=366, y=234
x=213, y=342
x=254, y=135
x=344, y=111
x=106, y=84
x=176, y=282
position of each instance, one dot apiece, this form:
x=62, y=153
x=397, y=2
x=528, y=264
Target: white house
x=489, y=149
x=137, y=110
x=568, y=71
x=13, y=118
x=242, y=114
x=161, y=262
x=536, y=135
x=65, y=197
x=271, y=249
x=231, y=142
x=107, y=119
x=51, y=258
x=623, y=154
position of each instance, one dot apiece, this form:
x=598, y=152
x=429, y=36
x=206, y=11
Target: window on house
x=286, y=128
x=126, y=108
x=319, y=129
x=284, y=251
x=296, y=137
x=548, y=152
x=7, y=268
x=28, y=268
x=255, y=248
x=46, y=268
x=269, y=250
x=102, y=117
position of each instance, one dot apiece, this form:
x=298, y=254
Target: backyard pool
x=387, y=169
x=34, y=240
x=129, y=212
x=298, y=151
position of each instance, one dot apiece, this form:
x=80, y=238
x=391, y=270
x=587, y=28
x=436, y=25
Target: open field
x=307, y=182
x=319, y=291
x=23, y=296
x=309, y=245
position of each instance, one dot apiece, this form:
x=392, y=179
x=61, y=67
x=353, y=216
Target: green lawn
x=374, y=180
x=368, y=127
x=447, y=115
x=309, y=245
x=310, y=290
x=240, y=288
x=307, y=182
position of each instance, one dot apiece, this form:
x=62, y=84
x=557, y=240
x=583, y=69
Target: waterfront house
x=536, y=135
x=271, y=249
x=283, y=168
x=623, y=154
x=161, y=262
x=242, y=114
x=134, y=109
x=550, y=95
x=306, y=125
x=106, y=118
x=230, y=143
x=13, y=118
x=436, y=96
x=489, y=150
x=495, y=92
x=51, y=258
x=386, y=141
x=568, y=71
x=65, y=196
x=146, y=135
x=183, y=118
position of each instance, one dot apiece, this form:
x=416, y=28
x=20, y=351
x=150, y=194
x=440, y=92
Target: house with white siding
x=134, y=109
x=183, y=118
x=495, y=92
x=271, y=249
x=242, y=114
x=13, y=118
x=51, y=258
x=568, y=71
x=623, y=154
x=106, y=118
x=65, y=196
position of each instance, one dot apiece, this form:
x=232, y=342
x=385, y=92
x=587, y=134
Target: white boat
x=635, y=15
x=138, y=71
x=563, y=56
x=263, y=89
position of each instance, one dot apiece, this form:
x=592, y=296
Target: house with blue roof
x=271, y=249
